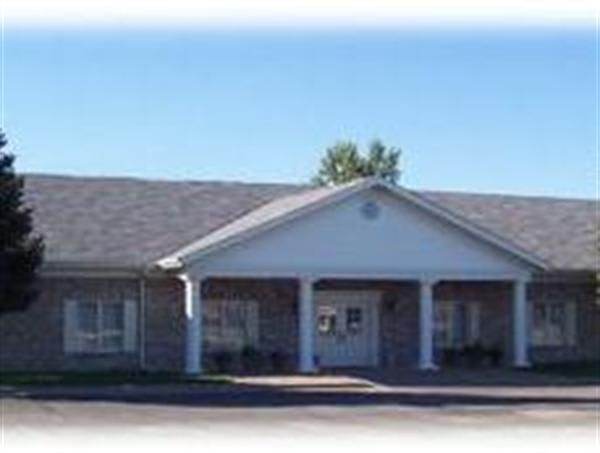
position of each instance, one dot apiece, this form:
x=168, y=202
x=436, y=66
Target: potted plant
x=450, y=356
x=495, y=355
x=279, y=361
x=252, y=360
x=224, y=361
x=474, y=354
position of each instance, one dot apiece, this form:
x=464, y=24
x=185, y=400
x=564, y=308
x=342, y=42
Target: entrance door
x=347, y=328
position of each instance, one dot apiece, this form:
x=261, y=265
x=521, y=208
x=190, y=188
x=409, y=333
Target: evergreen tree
x=21, y=251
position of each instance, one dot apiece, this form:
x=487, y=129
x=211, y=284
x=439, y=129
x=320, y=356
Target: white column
x=193, y=324
x=426, y=326
x=520, y=325
x=306, y=327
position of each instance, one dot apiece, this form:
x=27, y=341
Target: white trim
x=72, y=334
x=130, y=325
x=101, y=269
x=520, y=325
x=217, y=306
x=570, y=312
x=474, y=320
x=306, y=323
x=142, y=323
x=193, y=323
x=465, y=224
x=471, y=322
x=197, y=250
x=70, y=340
x=90, y=273
x=426, y=325
x=416, y=275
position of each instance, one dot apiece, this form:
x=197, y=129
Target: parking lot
x=288, y=411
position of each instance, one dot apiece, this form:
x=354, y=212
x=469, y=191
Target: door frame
x=373, y=301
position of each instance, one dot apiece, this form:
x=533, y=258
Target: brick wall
x=588, y=321
x=495, y=301
x=277, y=311
x=33, y=339
x=164, y=325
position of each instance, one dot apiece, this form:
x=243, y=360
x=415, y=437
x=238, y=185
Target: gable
x=373, y=232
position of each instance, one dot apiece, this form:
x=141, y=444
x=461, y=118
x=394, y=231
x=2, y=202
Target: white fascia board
x=467, y=225
x=197, y=250
x=432, y=275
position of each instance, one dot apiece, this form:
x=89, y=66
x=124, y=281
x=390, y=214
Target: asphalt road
x=558, y=419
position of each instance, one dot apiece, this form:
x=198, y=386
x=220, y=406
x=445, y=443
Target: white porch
x=368, y=231
x=307, y=317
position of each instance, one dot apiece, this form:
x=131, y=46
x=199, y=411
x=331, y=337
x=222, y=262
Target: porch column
x=520, y=325
x=193, y=324
x=426, y=325
x=306, y=327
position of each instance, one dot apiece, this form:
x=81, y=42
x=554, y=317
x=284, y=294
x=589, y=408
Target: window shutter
x=130, y=325
x=474, y=322
x=70, y=338
x=252, y=322
x=531, y=327
x=571, y=323
x=458, y=322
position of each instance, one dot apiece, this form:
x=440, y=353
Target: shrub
x=474, y=354
x=495, y=355
x=279, y=361
x=253, y=360
x=450, y=356
x=224, y=361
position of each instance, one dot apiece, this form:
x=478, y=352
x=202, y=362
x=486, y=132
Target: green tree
x=343, y=163
x=21, y=251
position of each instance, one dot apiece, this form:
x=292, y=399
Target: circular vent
x=370, y=210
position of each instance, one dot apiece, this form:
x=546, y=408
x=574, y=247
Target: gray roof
x=133, y=222
x=564, y=232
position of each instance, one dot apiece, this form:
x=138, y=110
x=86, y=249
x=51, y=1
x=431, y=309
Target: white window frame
x=221, y=334
x=472, y=323
x=101, y=332
x=77, y=341
x=567, y=335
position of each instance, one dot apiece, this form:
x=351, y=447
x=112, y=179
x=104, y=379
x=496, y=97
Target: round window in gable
x=370, y=210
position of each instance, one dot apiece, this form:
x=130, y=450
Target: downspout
x=142, y=323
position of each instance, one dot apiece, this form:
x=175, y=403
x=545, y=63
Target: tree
x=21, y=251
x=343, y=163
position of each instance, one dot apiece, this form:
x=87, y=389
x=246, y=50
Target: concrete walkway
x=353, y=388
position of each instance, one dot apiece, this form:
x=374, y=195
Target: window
x=327, y=321
x=100, y=327
x=230, y=324
x=553, y=324
x=456, y=323
x=354, y=320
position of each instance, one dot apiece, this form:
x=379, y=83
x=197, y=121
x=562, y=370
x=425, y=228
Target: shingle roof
x=563, y=232
x=264, y=214
x=130, y=221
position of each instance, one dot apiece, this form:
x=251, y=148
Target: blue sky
x=497, y=110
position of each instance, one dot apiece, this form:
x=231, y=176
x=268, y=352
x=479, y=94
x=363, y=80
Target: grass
x=105, y=378
x=575, y=369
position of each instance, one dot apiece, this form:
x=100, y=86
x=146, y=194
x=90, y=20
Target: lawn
x=576, y=370
x=105, y=378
